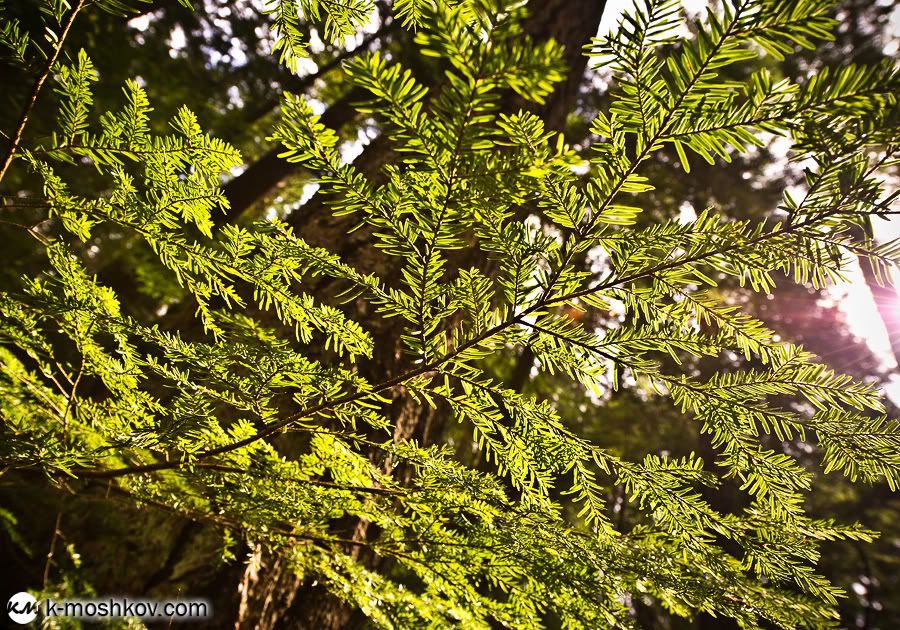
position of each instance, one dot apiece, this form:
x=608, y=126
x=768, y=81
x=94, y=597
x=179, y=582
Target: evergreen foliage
x=185, y=422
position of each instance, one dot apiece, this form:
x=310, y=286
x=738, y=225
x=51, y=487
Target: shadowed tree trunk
x=572, y=23
x=262, y=176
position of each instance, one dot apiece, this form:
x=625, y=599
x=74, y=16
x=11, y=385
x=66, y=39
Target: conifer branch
x=45, y=71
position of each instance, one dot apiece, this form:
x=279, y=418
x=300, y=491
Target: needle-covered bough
x=188, y=421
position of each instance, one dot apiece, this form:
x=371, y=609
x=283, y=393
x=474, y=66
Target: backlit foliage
x=89, y=394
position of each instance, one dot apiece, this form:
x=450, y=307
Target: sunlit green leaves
x=490, y=235
x=291, y=20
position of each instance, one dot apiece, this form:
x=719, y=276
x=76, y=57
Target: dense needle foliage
x=480, y=227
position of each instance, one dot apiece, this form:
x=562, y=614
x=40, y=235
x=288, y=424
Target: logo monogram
x=22, y=608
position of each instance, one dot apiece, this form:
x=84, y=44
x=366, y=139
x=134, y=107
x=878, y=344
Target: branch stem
x=36, y=88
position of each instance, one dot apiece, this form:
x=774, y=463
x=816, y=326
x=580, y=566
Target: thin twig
x=36, y=89
x=52, y=549
x=70, y=400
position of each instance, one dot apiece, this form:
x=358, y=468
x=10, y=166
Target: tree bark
x=266, y=173
x=570, y=22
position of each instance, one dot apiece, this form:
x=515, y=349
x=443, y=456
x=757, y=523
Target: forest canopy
x=431, y=313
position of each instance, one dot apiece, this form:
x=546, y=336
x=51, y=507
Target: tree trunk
x=271, y=596
x=264, y=175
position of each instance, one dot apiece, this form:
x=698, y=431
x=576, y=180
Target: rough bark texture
x=572, y=23
x=271, y=596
